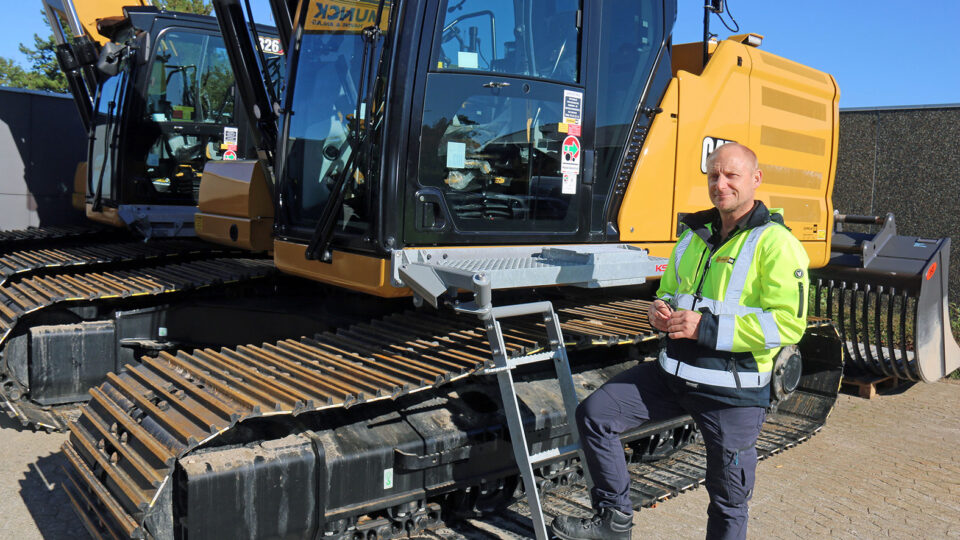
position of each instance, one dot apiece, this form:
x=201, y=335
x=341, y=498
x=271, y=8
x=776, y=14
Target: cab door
x=503, y=141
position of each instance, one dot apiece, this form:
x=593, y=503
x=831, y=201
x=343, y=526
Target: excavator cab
x=158, y=98
x=588, y=125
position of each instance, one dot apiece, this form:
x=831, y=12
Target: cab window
x=532, y=38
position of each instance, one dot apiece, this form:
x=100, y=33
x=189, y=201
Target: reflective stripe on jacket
x=751, y=290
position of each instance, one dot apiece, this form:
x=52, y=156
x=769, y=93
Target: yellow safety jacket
x=751, y=290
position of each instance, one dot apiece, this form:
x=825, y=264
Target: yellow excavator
x=519, y=169
x=157, y=95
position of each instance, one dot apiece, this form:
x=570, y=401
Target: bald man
x=731, y=298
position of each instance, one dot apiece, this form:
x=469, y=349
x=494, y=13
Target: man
x=732, y=295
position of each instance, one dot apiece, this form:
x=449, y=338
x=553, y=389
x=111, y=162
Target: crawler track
x=57, y=235
x=124, y=448
x=19, y=299
x=18, y=264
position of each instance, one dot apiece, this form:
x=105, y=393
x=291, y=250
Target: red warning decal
x=931, y=271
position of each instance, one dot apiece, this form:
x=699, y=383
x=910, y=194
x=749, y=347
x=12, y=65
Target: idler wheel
x=787, y=367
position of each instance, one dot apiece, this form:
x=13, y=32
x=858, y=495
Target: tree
x=200, y=7
x=44, y=72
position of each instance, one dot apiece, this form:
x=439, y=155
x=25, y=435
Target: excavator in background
x=158, y=97
x=519, y=169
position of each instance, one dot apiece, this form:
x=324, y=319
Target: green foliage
x=44, y=72
x=200, y=7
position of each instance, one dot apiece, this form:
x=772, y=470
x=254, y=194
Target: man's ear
x=757, y=178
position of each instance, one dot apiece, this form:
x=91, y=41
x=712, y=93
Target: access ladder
x=503, y=368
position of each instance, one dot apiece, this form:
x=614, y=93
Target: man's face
x=732, y=180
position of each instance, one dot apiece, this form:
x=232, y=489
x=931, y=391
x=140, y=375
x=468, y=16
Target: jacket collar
x=698, y=221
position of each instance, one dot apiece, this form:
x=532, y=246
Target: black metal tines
x=877, y=324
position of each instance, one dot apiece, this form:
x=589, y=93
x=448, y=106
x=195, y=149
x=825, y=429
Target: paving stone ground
x=882, y=468
x=888, y=467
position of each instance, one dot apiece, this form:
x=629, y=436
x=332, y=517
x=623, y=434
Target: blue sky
x=882, y=52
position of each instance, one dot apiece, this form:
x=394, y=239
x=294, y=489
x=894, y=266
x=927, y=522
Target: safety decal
x=709, y=145
x=574, y=130
x=572, y=106
x=570, y=163
x=230, y=155
x=387, y=478
x=569, y=186
x=230, y=135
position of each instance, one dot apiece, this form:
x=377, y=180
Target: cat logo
x=709, y=145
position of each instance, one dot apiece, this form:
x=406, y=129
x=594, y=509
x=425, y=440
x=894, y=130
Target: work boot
x=609, y=523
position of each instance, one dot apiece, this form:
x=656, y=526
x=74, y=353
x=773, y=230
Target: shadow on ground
x=43, y=494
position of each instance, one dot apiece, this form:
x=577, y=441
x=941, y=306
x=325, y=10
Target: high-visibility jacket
x=751, y=290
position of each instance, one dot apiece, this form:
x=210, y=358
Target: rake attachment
x=888, y=296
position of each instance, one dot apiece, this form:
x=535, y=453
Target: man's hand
x=683, y=324
x=659, y=313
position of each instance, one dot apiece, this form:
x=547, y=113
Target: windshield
x=539, y=39
x=105, y=134
x=323, y=110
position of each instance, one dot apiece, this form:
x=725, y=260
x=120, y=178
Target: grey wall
x=905, y=161
x=41, y=142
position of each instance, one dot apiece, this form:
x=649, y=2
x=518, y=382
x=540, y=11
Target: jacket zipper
x=698, y=295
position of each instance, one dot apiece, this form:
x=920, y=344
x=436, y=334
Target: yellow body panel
x=106, y=215
x=79, y=196
x=89, y=11
x=362, y=273
x=235, y=206
x=785, y=111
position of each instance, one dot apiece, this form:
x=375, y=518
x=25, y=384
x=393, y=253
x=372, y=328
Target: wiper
x=110, y=136
x=319, y=246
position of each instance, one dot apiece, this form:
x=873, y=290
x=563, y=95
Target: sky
x=882, y=52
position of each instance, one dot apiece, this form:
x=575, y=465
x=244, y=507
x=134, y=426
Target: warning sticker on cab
x=572, y=106
x=569, y=185
x=347, y=16
x=570, y=161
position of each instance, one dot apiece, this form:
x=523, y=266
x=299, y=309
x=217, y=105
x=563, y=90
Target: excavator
x=157, y=95
x=518, y=169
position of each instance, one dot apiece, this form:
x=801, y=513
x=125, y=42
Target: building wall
x=41, y=143
x=905, y=161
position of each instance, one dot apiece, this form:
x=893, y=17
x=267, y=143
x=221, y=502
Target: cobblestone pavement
x=882, y=468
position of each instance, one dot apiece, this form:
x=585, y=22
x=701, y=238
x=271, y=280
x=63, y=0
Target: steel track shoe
x=608, y=524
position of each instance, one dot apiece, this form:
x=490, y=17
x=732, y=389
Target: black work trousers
x=643, y=393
